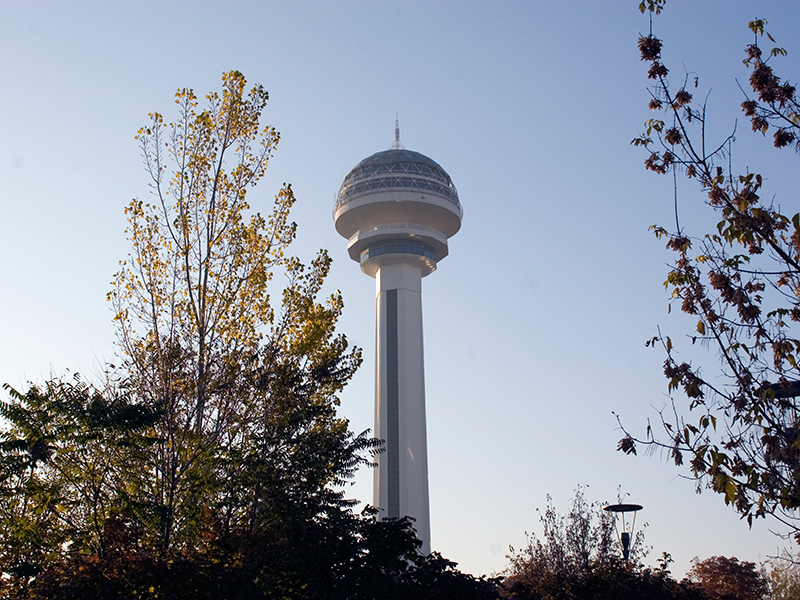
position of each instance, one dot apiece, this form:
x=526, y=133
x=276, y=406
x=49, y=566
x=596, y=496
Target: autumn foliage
x=741, y=282
x=211, y=462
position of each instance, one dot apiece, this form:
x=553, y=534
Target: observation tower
x=397, y=208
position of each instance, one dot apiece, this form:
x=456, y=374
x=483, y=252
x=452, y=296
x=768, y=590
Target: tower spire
x=397, y=145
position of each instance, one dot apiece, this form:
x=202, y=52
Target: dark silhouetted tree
x=579, y=558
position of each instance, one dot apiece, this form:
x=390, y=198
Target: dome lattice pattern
x=392, y=169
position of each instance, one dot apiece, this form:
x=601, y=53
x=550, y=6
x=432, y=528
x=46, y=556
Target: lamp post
x=626, y=533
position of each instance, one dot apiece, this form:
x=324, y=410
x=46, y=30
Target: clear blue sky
x=535, y=324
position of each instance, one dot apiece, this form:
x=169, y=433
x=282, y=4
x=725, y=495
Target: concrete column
x=401, y=479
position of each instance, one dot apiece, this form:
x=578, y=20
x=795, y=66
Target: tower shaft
x=401, y=479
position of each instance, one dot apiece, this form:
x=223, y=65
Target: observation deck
x=397, y=206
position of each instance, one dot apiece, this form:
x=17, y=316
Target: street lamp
x=625, y=535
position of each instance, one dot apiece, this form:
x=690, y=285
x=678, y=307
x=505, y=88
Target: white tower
x=397, y=208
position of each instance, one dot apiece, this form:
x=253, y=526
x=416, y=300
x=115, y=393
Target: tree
x=62, y=457
x=70, y=531
x=355, y=558
x=724, y=578
x=197, y=326
x=579, y=558
x=742, y=283
x=571, y=547
x=784, y=576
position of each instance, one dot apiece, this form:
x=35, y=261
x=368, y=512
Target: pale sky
x=534, y=325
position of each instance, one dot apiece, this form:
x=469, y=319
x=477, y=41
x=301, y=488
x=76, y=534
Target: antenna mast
x=397, y=145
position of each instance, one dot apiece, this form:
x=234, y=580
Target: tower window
x=398, y=247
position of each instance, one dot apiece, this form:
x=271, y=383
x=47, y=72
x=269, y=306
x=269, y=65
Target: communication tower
x=397, y=209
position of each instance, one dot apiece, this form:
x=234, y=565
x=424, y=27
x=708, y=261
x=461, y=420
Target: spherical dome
x=397, y=169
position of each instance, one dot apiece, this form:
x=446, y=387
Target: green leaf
x=730, y=491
